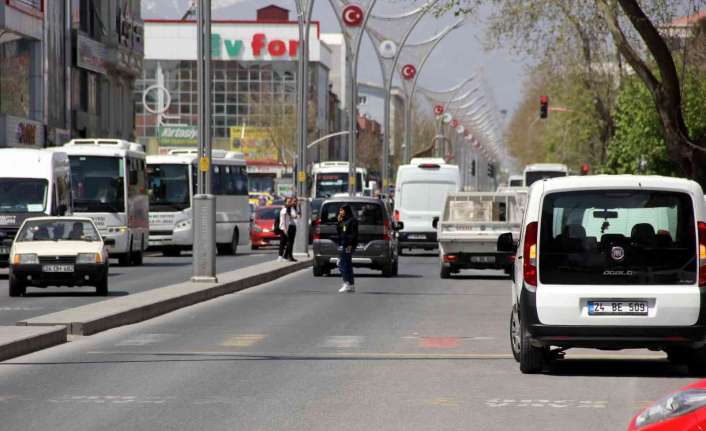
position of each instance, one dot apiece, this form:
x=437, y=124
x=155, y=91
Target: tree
x=688, y=152
x=277, y=121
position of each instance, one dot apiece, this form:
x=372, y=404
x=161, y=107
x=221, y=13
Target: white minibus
x=331, y=179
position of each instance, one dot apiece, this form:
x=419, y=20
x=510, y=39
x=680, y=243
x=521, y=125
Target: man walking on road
x=347, y=228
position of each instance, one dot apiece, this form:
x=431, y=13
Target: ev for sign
x=259, y=45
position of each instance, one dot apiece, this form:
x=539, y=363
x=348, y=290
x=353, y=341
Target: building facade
x=67, y=68
x=254, y=74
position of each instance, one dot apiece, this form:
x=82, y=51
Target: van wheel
x=697, y=362
x=137, y=258
x=515, y=335
x=126, y=258
x=17, y=288
x=445, y=272
x=531, y=358
x=231, y=248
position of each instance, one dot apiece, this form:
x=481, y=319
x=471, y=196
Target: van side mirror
x=506, y=244
x=399, y=225
x=109, y=241
x=435, y=222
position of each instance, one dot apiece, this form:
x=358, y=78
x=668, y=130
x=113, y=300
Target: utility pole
x=204, y=213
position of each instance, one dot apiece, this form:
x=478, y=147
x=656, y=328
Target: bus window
x=216, y=180
x=241, y=181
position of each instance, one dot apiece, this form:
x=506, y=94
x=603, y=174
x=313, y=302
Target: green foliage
x=639, y=131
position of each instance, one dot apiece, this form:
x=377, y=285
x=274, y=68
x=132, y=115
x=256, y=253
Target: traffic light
x=473, y=168
x=543, y=106
x=491, y=170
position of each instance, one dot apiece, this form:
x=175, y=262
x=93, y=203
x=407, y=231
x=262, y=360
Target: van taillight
x=530, y=254
x=316, y=227
x=397, y=215
x=702, y=253
x=386, y=230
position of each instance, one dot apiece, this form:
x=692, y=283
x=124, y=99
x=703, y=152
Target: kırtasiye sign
x=248, y=41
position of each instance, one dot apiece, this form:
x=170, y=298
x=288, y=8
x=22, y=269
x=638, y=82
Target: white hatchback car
x=59, y=251
x=610, y=262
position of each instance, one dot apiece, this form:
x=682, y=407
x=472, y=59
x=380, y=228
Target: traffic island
x=100, y=316
x=17, y=340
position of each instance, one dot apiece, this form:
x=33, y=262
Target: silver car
x=377, y=236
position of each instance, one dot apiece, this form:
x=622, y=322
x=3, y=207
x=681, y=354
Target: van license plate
x=58, y=268
x=617, y=308
x=483, y=259
x=417, y=237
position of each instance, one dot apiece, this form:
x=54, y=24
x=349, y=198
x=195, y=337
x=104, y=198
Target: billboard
x=254, y=143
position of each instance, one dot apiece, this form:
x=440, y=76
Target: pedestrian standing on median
x=291, y=229
x=347, y=229
x=283, y=224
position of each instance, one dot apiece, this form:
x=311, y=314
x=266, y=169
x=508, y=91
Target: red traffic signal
x=543, y=106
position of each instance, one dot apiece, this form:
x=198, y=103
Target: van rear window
x=617, y=237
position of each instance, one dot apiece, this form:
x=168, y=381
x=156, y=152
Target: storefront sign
x=241, y=41
x=254, y=143
x=91, y=55
x=178, y=135
x=20, y=132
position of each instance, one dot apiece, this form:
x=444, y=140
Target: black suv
x=377, y=236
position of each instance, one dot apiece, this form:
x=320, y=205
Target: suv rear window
x=617, y=237
x=367, y=213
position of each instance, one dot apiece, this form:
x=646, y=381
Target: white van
x=420, y=192
x=33, y=183
x=610, y=262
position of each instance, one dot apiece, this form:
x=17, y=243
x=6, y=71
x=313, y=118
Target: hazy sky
x=453, y=60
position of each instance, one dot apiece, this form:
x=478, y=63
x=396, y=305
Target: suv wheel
x=445, y=272
x=17, y=288
x=515, y=335
x=531, y=358
x=697, y=362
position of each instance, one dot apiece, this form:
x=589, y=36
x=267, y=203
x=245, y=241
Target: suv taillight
x=702, y=253
x=316, y=227
x=530, y=254
x=386, y=230
x=397, y=215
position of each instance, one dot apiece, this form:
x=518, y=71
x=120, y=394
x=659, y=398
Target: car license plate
x=58, y=268
x=483, y=259
x=618, y=308
x=4, y=250
x=417, y=237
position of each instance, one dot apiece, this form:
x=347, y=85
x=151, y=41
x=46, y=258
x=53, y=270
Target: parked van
x=610, y=262
x=419, y=197
x=33, y=183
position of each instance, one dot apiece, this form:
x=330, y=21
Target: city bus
x=33, y=183
x=541, y=171
x=172, y=185
x=331, y=178
x=108, y=184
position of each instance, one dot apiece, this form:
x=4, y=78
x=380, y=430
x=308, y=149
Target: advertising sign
x=177, y=136
x=254, y=143
x=91, y=55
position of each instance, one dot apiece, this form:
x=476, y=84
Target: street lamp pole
x=204, y=212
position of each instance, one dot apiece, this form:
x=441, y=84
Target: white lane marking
x=21, y=308
x=110, y=399
x=144, y=339
x=242, y=340
x=556, y=404
x=417, y=337
x=343, y=341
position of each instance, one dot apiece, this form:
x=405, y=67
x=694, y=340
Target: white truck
x=469, y=228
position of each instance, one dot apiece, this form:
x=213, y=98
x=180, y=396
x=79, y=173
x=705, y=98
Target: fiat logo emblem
x=617, y=253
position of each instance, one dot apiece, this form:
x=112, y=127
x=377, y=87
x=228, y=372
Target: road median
x=100, y=316
x=17, y=340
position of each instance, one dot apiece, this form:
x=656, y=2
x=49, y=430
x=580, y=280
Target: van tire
x=230, y=249
x=16, y=287
x=515, y=334
x=137, y=258
x=445, y=272
x=125, y=259
x=531, y=358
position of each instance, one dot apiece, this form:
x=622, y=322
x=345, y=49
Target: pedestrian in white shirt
x=291, y=229
x=282, y=228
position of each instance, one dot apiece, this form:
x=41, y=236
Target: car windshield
x=268, y=213
x=367, y=213
x=617, y=237
x=23, y=195
x=168, y=187
x=58, y=230
x=532, y=177
x=97, y=184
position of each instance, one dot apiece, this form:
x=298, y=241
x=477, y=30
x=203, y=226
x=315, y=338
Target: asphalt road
x=156, y=271
x=407, y=353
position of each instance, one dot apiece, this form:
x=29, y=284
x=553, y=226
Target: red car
x=683, y=410
x=262, y=231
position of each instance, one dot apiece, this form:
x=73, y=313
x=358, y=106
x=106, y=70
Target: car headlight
x=671, y=406
x=89, y=258
x=184, y=224
x=26, y=259
x=256, y=228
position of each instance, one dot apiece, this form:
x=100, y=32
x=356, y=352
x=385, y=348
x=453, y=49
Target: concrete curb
x=100, y=316
x=17, y=341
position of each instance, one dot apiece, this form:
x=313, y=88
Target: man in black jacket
x=347, y=228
